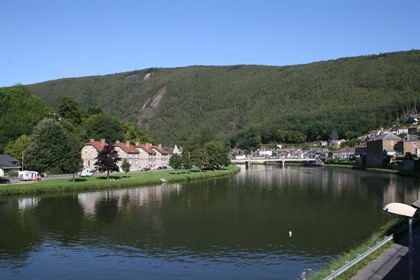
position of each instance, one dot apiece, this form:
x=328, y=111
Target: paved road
x=392, y=264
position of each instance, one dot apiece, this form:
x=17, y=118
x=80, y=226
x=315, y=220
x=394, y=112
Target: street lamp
x=406, y=211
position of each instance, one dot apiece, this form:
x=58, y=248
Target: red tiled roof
x=147, y=148
x=346, y=150
x=99, y=145
x=160, y=150
x=127, y=147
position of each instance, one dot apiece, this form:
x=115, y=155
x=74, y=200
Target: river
x=266, y=222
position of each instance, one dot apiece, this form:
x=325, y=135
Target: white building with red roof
x=162, y=156
x=90, y=152
x=147, y=155
x=139, y=155
x=129, y=152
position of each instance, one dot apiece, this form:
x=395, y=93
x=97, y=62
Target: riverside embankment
x=116, y=181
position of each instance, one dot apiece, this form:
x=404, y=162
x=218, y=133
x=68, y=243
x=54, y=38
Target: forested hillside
x=238, y=103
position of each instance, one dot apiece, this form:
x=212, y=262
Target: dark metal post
x=410, y=249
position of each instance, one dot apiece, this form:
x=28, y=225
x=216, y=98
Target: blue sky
x=44, y=40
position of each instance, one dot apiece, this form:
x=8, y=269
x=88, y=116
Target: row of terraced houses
x=139, y=155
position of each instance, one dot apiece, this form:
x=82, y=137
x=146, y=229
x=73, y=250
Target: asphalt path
x=393, y=263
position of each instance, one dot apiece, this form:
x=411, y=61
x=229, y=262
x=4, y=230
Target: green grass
x=116, y=181
x=386, y=230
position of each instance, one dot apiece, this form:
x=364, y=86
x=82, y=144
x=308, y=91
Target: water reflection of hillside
x=382, y=188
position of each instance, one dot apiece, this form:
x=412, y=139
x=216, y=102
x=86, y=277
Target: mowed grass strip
x=116, y=181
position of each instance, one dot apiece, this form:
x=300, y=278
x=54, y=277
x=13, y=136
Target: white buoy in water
x=290, y=233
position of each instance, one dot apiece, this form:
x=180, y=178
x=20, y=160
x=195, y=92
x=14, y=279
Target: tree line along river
x=226, y=228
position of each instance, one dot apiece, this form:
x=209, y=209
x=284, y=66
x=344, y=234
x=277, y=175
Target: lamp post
x=406, y=211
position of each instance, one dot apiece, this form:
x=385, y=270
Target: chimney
x=127, y=144
x=103, y=142
x=91, y=140
x=117, y=142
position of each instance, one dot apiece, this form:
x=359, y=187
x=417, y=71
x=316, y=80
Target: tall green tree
x=200, y=158
x=186, y=161
x=195, y=142
x=103, y=126
x=47, y=147
x=16, y=148
x=175, y=162
x=217, y=155
x=20, y=112
x=69, y=109
x=107, y=160
x=73, y=161
x=134, y=135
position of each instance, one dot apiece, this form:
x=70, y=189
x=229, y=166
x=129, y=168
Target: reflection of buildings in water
x=400, y=189
x=28, y=203
x=143, y=197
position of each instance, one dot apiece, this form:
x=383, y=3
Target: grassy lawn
x=116, y=181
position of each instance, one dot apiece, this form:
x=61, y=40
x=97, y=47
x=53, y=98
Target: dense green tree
x=186, y=161
x=175, y=162
x=69, y=109
x=47, y=147
x=102, y=126
x=125, y=166
x=16, y=148
x=134, y=135
x=195, y=142
x=20, y=112
x=290, y=136
x=249, y=140
x=217, y=155
x=200, y=158
x=107, y=160
x=73, y=160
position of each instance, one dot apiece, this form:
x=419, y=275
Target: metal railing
x=335, y=273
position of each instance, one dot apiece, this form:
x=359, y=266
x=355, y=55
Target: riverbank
x=392, y=227
x=412, y=174
x=116, y=181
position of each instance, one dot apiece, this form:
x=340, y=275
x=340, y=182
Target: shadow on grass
x=78, y=180
x=112, y=178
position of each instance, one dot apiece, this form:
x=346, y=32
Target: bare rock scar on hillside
x=150, y=106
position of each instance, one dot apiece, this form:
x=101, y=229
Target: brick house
x=380, y=148
x=410, y=144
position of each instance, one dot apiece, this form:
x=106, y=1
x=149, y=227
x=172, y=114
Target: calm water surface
x=227, y=228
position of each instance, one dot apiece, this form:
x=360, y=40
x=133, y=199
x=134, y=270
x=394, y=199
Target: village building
x=380, y=149
x=128, y=152
x=344, y=153
x=90, y=152
x=139, y=155
x=161, y=156
x=409, y=145
x=8, y=164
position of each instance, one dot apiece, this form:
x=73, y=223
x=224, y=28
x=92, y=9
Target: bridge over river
x=283, y=161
